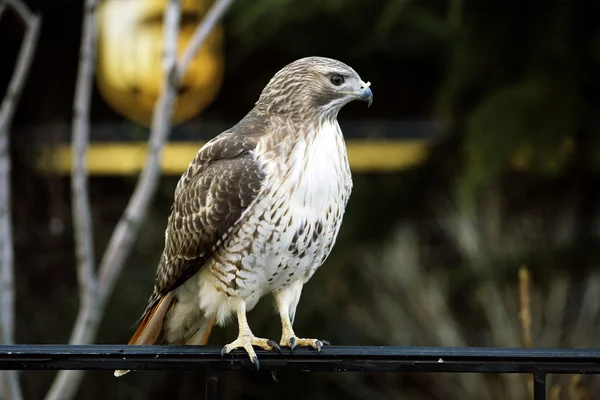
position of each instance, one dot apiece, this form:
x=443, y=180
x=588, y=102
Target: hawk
x=257, y=212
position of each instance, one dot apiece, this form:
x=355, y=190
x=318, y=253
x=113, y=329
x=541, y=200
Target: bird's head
x=314, y=84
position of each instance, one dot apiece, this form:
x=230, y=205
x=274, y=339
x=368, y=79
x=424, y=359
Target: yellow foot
x=292, y=342
x=246, y=342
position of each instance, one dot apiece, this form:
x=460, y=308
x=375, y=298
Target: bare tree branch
x=211, y=19
x=82, y=216
x=127, y=230
x=65, y=385
x=124, y=235
x=7, y=109
x=32, y=22
x=95, y=289
x=21, y=9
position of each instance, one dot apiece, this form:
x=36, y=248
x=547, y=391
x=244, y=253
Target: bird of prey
x=257, y=212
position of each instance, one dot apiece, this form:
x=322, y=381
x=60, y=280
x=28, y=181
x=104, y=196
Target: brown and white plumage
x=257, y=211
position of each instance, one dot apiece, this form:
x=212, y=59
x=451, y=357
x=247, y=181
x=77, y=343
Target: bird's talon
x=246, y=342
x=224, y=351
x=294, y=342
x=274, y=345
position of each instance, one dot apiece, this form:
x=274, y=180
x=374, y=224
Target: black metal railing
x=538, y=362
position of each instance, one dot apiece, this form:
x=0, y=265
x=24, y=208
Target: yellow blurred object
x=128, y=158
x=130, y=45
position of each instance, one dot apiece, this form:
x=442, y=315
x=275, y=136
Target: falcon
x=257, y=212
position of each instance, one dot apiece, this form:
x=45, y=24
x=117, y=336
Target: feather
x=149, y=330
x=200, y=338
x=210, y=199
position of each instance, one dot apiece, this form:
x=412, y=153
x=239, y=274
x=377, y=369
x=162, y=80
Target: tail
x=149, y=332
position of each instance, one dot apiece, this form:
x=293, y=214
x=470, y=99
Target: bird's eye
x=337, y=80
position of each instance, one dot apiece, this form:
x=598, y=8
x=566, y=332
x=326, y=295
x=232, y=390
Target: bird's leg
x=287, y=301
x=246, y=338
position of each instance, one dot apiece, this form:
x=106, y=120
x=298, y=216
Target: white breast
x=312, y=186
x=320, y=171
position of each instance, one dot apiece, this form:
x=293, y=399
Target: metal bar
x=334, y=358
x=212, y=385
x=539, y=386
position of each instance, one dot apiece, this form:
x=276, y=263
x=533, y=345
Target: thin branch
x=525, y=314
x=82, y=216
x=22, y=10
x=7, y=110
x=124, y=235
x=211, y=19
x=128, y=227
x=525, y=300
x=65, y=385
x=11, y=98
x=123, y=238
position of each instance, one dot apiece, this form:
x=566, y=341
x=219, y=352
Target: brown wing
x=220, y=183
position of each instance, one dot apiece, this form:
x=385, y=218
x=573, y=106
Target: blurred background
x=478, y=158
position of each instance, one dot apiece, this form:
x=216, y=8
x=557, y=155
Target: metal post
x=212, y=385
x=539, y=386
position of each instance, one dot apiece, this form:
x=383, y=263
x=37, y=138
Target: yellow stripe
x=385, y=155
x=128, y=158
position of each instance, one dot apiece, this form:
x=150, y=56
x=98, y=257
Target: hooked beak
x=365, y=93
